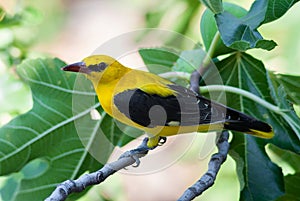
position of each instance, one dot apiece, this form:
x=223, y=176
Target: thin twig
x=194, y=81
x=64, y=189
x=196, y=76
x=208, y=179
x=217, y=159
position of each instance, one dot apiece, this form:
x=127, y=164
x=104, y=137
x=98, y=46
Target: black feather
x=186, y=108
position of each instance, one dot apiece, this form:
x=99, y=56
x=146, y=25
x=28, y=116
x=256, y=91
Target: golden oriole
x=157, y=106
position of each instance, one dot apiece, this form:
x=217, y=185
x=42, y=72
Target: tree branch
x=64, y=189
x=208, y=179
x=196, y=76
x=217, y=159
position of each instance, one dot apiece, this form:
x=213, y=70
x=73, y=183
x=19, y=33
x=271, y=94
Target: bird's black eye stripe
x=98, y=67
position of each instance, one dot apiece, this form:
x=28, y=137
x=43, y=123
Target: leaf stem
x=182, y=75
x=266, y=104
x=206, y=89
x=211, y=50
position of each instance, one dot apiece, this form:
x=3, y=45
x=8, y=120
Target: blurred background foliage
x=23, y=25
x=72, y=29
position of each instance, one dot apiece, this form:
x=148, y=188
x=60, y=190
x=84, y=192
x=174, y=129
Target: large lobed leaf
x=48, y=140
x=255, y=169
x=291, y=161
x=277, y=8
x=239, y=31
x=257, y=173
x=158, y=60
x=214, y=5
x=208, y=28
x=290, y=84
x=243, y=71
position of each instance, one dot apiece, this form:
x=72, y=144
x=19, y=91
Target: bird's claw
x=142, y=150
x=134, y=153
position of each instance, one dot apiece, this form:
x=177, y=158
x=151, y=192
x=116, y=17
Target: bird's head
x=93, y=66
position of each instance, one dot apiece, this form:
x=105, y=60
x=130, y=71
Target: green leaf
x=279, y=95
x=35, y=168
x=214, y=5
x=159, y=60
x=31, y=16
x=256, y=14
x=297, y=110
x=245, y=72
x=2, y=14
x=257, y=174
x=289, y=161
x=277, y=8
x=9, y=21
x=17, y=95
x=181, y=22
x=153, y=18
x=189, y=61
x=290, y=83
x=241, y=33
x=292, y=190
x=118, y=133
x=10, y=186
x=28, y=16
x=208, y=28
x=49, y=139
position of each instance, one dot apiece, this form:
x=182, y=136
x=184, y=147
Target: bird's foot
x=143, y=149
x=140, y=151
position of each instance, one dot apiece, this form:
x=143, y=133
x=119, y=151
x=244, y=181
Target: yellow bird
x=156, y=105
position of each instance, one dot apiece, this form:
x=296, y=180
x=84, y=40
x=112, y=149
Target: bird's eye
x=98, y=67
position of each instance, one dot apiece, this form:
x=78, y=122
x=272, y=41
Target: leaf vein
x=27, y=144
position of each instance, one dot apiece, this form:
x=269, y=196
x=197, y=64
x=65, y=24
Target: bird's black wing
x=184, y=108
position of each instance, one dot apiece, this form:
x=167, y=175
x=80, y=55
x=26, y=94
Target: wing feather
x=183, y=107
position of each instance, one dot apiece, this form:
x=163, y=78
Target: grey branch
x=194, y=81
x=216, y=160
x=208, y=179
x=64, y=189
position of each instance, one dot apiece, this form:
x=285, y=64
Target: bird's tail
x=237, y=121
